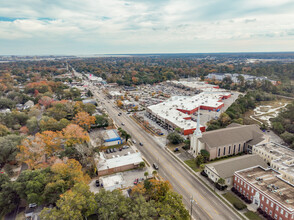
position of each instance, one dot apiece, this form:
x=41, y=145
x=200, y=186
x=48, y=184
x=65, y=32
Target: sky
x=84, y=27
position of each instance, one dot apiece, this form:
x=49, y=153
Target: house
x=111, y=137
x=28, y=104
x=225, y=169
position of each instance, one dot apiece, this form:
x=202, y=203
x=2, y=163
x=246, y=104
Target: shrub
x=239, y=205
x=8, y=169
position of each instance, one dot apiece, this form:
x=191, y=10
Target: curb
x=241, y=215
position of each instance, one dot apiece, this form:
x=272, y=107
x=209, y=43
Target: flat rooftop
x=268, y=181
x=112, y=180
x=119, y=161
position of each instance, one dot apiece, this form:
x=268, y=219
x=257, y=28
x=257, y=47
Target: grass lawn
x=252, y=215
x=231, y=197
x=191, y=163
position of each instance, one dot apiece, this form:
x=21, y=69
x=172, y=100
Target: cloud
x=134, y=25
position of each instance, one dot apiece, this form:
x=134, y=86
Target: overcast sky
x=145, y=26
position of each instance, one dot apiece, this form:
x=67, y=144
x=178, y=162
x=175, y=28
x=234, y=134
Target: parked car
x=114, y=149
x=140, y=144
x=136, y=181
x=125, y=147
x=122, y=124
x=120, y=149
x=107, y=151
x=176, y=149
x=111, y=150
x=155, y=166
x=134, y=141
x=32, y=205
x=97, y=183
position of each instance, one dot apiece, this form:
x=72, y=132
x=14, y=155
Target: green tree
x=175, y=138
x=199, y=160
x=33, y=125
x=8, y=148
x=9, y=198
x=139, y=208
x=205, y=154
x=77, y=203
x=146, y=174
x=111, y=205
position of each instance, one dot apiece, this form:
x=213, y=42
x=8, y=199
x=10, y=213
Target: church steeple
x=198, y=132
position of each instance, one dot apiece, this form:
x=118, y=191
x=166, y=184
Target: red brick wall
x=265, y=200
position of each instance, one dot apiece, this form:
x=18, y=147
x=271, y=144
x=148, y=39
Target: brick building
x=267, y=190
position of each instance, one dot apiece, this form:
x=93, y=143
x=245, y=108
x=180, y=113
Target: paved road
x=205, y=204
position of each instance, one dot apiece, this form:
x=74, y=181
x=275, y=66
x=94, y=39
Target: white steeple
x=198, y=132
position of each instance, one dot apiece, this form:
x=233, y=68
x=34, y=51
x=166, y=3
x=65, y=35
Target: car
x=155, y=166
x=120, y=149
x=107, y=151
x=122, y=124
x=97, y=183
x=136, y=181
x=140, y=144
x=111, y=150
x=114, y=149
x=125, y=147
x=134, y=141
x=32, y=205
x=176, y=149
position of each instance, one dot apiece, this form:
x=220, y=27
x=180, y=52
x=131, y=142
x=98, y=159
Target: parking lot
x=128, y=176
x=119, y=152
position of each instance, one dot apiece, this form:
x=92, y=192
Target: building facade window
x=282, y=211
x=229, y=149
x=267, y=201
x=244, y=147
x=272, y=204
x=276, y=216
x=262, y=198
x=270, y=212
x=266, y=209
x=261, y=205
x=224, y=150
x=239, y=148
x=277, y=208
x=234, y=149
x=286, y=214
x=218, y=152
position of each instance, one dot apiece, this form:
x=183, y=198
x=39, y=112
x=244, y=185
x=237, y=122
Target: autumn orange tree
x=74, y=134
x=71, y=172
x=84, y=120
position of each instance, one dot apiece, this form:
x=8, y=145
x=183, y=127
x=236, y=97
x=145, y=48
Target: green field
x=252, y=215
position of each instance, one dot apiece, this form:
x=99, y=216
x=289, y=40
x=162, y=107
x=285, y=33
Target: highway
x=205, y=204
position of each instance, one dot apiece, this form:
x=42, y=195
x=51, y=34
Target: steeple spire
x=197, y=132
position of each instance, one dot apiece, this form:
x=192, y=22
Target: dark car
x=122, y=124
x=97, y=183
x=140, y=144
x=176, y=149
x=120, y=149
x=107, y=151
x=111, y=150
x=155, y=166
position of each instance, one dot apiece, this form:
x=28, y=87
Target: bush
x=233, y=189
x=239, y=205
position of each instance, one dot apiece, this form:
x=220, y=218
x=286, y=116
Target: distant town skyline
x=71, y=27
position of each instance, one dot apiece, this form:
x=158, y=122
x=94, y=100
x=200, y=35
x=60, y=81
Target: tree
x=146, y=174
x=32, y=125
x=8, y=148
x=74, y=134
x=71, y=172
x=175, y=138
x=154, y=173
x=205, y=154
x=172, y=207
x=139, y=208
x=199, y=160
x=9, y=198
x=84, y=120
x=142, y=165
x=111, y=205
x=3, y=130
x=45, y=101
x=101, y=121
x=77, y=203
